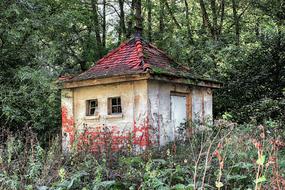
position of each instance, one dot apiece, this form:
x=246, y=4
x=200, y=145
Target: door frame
x=189, y=114
x=188, y=96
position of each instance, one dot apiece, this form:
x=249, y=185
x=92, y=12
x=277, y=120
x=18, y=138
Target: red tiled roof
x=133, y=57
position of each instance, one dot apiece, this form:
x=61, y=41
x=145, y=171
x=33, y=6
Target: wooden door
x=178, y=113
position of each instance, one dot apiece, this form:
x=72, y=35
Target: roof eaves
x=194, y=78
x=106, y=80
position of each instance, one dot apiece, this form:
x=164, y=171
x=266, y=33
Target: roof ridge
x=140, y=50
x=133, y=56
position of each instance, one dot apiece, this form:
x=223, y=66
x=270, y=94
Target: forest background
x=238, y=42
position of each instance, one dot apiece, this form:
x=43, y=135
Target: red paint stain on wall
x=141, y=134
x=67, y=124
x=101, y=137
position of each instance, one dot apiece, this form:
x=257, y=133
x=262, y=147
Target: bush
x=226, y=155
x=30, y=98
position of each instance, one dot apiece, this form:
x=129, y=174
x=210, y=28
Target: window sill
x=114, y=116
x=92, y=117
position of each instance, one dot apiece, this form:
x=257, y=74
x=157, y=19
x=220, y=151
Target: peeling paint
x=145, y=121
x=159, y=94
x=68, y=131
x=101, y=137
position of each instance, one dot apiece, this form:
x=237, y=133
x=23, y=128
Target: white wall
x=143, y=102
x=199, y=106
x=130, y=125
x=67, y=118
x=133, y=100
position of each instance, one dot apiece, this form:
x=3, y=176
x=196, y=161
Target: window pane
x=114, y=105
x=92, y=111
x=93, y=104
x=114, y=110
x=114, y=101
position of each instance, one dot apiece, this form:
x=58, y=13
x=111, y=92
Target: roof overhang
x=105, y=80
x=187, y=81
x=141, y=76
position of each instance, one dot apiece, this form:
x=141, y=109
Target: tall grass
x=224, y=156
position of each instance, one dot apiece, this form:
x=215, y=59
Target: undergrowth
x=224, y=156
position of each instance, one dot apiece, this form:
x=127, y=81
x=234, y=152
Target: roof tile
x=133, y=57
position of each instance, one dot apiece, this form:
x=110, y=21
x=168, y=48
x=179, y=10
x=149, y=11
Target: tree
x=138, y=15
x=213, y=27
x=122, y=27
x=104, y=24
x=238, y=42
x=161, y=19
x=131, y=19
x=96, y=25
x=149, y=20
x=236, y=21
x=190, y=35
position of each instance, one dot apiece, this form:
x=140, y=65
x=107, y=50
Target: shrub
x=224, y=156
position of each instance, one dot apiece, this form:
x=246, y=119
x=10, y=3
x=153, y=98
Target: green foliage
x=253, y=89
x=30, y=99
x=42, y=39
x=187, y=165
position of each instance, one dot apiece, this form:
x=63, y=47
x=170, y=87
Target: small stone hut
x=135, y=93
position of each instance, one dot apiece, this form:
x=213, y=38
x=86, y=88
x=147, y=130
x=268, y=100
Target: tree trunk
x=172, y=14
x=96, y=26
x=215, y=19
x=222, y=17
x=149, y=20
x=206, y=21
x=104, y=25
x=236, y=22
x=190, y=36
x=130, y=21
x=161, y=19
x=122, y=27
x=138, y=14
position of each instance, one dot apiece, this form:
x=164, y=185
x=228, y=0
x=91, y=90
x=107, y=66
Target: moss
x=158, y=70
x=191, y=81
x=191, y=78
x=145, y=55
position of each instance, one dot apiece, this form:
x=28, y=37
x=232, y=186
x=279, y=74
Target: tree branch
x=171, y=14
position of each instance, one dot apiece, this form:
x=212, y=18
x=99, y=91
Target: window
x=92, y=106
x=114, y=105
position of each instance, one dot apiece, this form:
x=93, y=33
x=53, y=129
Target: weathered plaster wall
x=133, y=120
x=208, y=105
x=146, y=113
x=202, y=105
x=68, y=131
x=198, y=102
